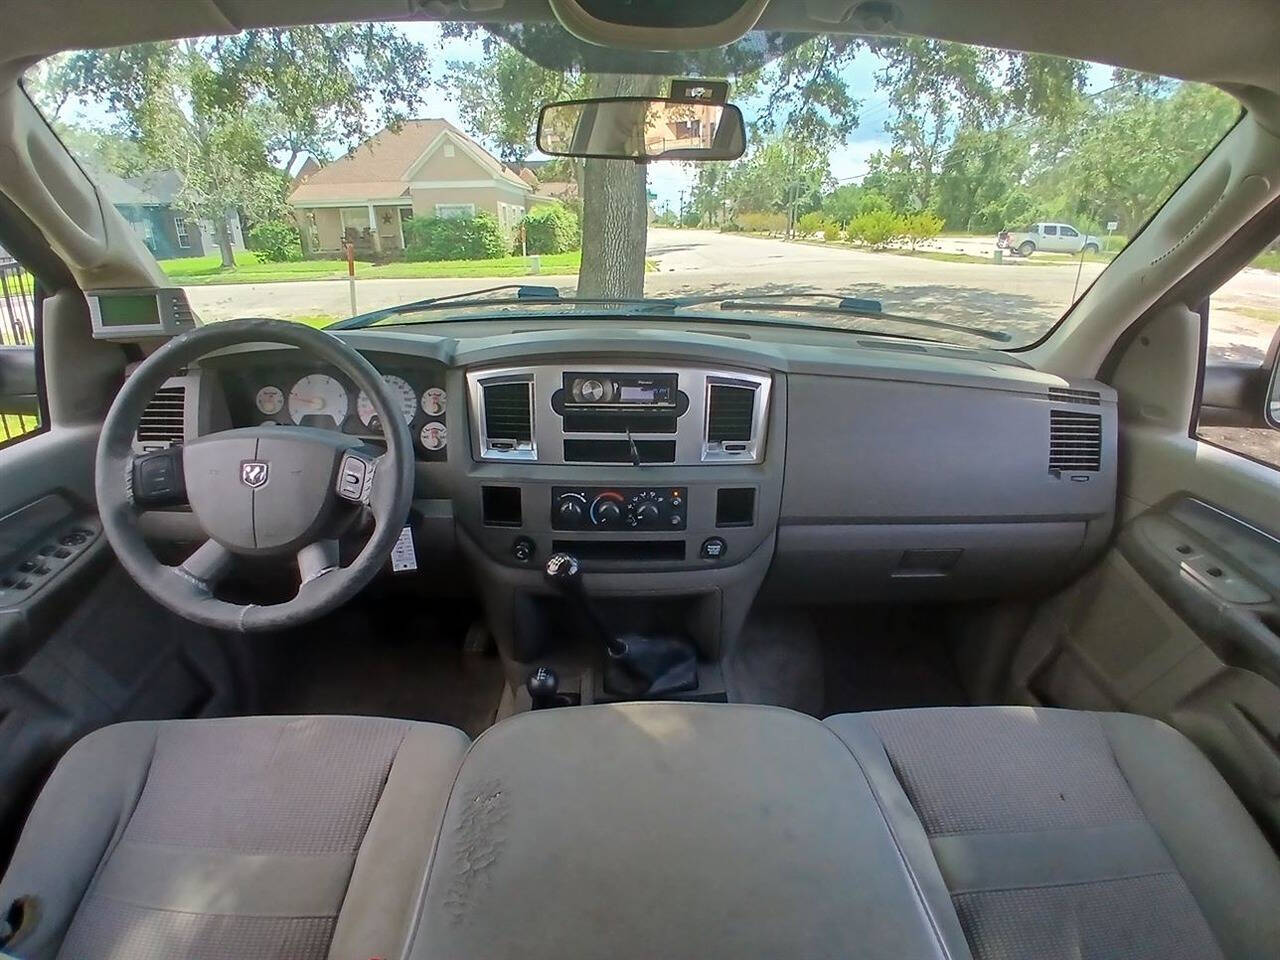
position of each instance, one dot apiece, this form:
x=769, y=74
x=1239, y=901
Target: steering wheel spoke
x=315, y=560
x=205, y=568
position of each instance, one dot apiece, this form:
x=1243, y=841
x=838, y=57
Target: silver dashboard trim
x=753, y=449
x=483, y=448
x=691, y=432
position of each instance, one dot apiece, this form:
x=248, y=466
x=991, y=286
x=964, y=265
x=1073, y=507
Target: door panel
x=1181, y=619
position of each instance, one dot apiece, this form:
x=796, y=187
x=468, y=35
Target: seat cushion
x=233, y=838
x=1069, y=834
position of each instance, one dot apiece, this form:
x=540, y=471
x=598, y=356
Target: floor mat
x=382, y=658
x=885, y=658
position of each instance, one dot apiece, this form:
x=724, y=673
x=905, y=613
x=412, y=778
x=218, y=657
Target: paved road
x=1023, y=297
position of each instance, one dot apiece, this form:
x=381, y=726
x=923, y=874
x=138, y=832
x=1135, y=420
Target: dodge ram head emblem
x=253, y=473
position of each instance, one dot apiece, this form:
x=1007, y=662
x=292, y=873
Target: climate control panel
x=619, y=508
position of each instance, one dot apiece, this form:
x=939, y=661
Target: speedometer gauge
x=406, y=401
x=318, y=396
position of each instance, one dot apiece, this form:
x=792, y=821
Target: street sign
x=1112, y=225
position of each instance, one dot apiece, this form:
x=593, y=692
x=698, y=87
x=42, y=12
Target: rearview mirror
x=642, y=129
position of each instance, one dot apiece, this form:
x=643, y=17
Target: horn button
x=263, y=493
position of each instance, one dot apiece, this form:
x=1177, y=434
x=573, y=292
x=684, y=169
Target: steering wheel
x=280, y=492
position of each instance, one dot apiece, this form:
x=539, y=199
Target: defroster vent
x=162, y=423
x=1075, y=441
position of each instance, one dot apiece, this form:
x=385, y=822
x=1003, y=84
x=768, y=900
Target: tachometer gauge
x=270, y=400
x=434, y=436
x=401, y=392
x=318, y=395
x=434, y=400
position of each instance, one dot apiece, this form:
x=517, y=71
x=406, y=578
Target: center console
x=663, y=481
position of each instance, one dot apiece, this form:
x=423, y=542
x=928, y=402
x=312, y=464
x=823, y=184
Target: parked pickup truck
x=1049, y=237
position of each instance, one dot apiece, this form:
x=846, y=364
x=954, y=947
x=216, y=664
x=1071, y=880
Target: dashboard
x=681, y=457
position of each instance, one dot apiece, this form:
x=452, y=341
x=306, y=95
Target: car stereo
x=648, y=390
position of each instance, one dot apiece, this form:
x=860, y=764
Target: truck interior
x=636, y=624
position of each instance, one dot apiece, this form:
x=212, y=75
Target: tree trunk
x=615, y=211
x=224, y=242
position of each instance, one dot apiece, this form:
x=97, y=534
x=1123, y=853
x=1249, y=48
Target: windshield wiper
x=526, y=295
x=846, y=306
x=524, y=291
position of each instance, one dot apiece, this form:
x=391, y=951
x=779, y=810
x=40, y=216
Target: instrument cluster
x=312, y=395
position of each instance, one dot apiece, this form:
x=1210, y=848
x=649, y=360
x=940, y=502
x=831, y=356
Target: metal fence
x=17, y=329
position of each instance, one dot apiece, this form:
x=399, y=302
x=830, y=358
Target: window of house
x=180, y=228
x=448, y=149
x=21, y=403
x=454, y=210
x=1242, y=345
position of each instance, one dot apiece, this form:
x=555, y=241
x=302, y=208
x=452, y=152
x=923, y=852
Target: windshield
x=975, y=189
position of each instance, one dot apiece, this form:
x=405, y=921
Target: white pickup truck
x=1049, y=237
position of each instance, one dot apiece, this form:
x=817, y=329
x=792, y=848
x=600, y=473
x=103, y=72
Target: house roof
x=162, y=185
x=381, y=168
x=120, y=192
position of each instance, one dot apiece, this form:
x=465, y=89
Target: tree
x=219, y=110
x=615, y=209
x=218, y=153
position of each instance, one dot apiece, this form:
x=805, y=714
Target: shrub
x=876, y=228
x=917, y=227
x=276, y=241
x=551, y=228
x=731, y=227
x=830, y=231
x=454, y=238
x=810, y=223
x=1114, y=243
x=763, y=222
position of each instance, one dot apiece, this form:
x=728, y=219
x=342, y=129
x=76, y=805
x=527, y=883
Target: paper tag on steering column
x=402, y=556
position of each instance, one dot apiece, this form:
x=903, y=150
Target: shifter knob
x=543, y=685
x=563, y=571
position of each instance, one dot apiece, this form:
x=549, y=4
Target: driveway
x=1022, y=297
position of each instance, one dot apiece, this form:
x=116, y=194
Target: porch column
x=373, y=228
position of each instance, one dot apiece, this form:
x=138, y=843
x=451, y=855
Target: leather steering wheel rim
x=187, y=589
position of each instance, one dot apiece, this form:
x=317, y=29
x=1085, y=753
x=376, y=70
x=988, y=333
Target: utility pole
x=680, y=211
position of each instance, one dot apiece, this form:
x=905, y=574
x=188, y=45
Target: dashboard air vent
x=161, y=424
x=729, y=412
x=736, y=406
x=508, y=420
x=1066, y=395
x=1075, y=441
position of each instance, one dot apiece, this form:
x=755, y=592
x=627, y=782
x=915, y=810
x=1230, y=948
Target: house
x=427, y=168
x=148, y=203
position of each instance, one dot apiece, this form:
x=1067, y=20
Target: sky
x=668, y=180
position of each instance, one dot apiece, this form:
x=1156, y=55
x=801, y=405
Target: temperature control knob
x=606, y=511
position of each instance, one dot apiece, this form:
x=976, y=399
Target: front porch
x=375, y=229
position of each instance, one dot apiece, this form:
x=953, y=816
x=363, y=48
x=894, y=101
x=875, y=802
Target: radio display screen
x=644, y=393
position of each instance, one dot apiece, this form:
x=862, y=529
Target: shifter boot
x=642, y=668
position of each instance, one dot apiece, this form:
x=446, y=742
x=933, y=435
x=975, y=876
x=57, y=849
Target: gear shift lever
x=638, y=666
x=564, y=574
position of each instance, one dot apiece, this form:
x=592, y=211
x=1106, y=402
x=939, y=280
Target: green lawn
x=13, y=425
x=1270, y=260
x=193, y=271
